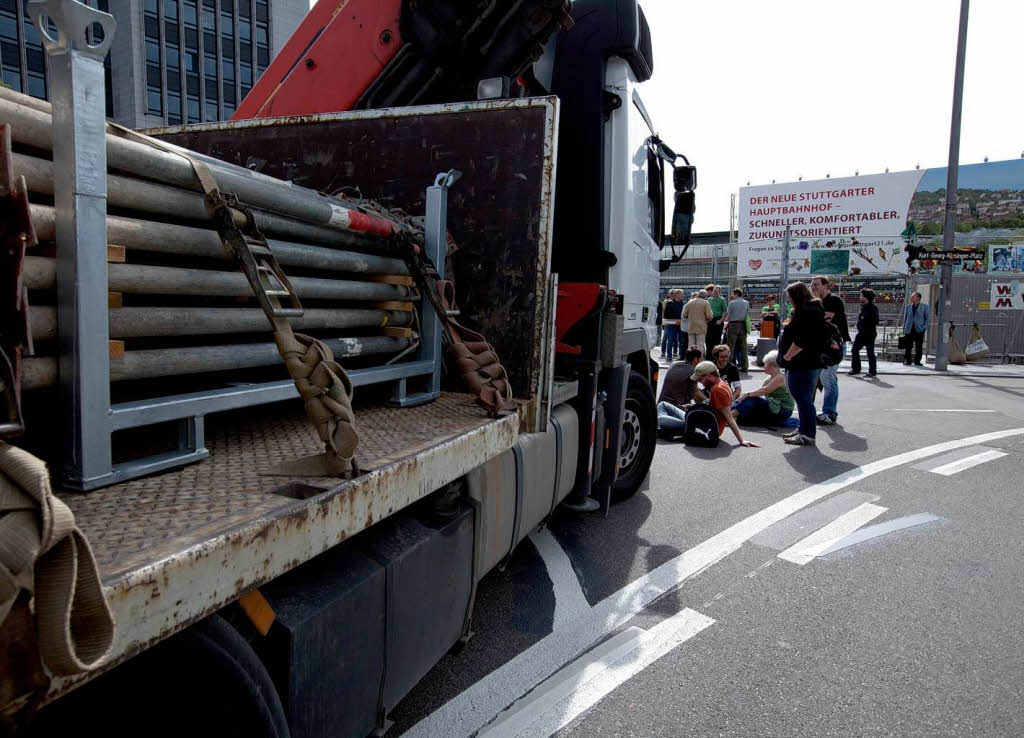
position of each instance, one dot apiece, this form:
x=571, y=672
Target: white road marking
x=763, y=566
x=568, y=700
x=948, y=470
x=468, y=711
x=570, y=602
x=808, y=549
x=937, y=410
x=552, y=691
x=873, y=531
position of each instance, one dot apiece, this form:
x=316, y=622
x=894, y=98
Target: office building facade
x=172, y=61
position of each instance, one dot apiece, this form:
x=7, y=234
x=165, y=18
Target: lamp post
x=945, y=307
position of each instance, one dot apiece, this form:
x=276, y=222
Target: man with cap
x=719, y=399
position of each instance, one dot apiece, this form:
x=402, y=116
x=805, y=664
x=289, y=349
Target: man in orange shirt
x=720, y=399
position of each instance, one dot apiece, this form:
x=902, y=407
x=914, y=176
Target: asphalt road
x=727, y=621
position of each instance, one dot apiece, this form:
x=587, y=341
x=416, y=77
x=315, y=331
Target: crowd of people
x=811, y=344
x=702, y=322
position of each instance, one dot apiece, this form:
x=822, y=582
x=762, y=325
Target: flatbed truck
x=252, y=602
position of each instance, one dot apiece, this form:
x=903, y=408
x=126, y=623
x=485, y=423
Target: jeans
x=670, y=344
x=756, y=411
x=865, y=341
x=736, y=340
x=915, y=340
x=801, y=384
x=830, y=385
x=671, y=418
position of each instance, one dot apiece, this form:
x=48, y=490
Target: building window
x=35, y=58
x=174, y=116
x=154, y=83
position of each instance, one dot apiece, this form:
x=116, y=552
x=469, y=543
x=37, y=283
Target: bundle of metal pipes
x=358, y=299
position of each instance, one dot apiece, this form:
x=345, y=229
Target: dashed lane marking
x=468, y=711
x=948, y=470
x=938, y=410
x=810, y=547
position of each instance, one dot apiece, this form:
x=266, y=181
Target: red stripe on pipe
x=371, y=224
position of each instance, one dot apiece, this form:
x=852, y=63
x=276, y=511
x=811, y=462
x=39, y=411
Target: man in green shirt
x=718, y=305
x=770, y=312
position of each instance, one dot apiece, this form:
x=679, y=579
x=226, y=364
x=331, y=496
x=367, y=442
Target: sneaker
x=871, y=375
x=854, y=374
x=791, y=434
x=800, y=440
x=824, y=419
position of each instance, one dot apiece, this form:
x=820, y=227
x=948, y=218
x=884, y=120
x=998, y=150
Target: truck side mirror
x=682, y=217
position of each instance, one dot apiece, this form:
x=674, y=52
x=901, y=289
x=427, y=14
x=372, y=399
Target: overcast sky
x=755, y=90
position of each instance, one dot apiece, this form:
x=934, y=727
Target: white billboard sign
x=860, y=215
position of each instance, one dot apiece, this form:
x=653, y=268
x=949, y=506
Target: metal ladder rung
x=276, y=293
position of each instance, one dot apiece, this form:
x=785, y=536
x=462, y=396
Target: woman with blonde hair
x=771, y=403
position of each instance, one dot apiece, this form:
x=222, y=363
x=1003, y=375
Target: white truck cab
x=632, y=217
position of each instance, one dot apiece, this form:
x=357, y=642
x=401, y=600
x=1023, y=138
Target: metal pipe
x=139, y=322
x=33, y=127
x=784, y=275
x=173, y=202
x=40, y=372
x=39, y=274
x=168, y=238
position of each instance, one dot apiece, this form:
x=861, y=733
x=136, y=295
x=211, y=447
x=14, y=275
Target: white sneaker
x=800, y=440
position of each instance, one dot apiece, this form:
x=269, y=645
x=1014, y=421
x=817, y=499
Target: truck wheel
x=210, y=681
x=639, y=436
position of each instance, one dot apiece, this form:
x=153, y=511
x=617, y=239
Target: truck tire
x=639, y=437
x=205, y=682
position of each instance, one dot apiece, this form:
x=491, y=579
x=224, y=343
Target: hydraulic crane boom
x=352, y=54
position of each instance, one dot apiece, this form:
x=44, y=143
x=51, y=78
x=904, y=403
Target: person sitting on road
x=678, y=393
x=720, y=399
x=771, y=403
x=728, y=371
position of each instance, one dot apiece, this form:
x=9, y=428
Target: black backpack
x=701, y=427
x=832, y=351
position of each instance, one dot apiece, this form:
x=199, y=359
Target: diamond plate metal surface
x=142, y=521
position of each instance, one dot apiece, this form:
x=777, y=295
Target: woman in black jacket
x=800, y=347
x=867, y=326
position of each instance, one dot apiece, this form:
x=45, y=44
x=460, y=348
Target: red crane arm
x=337, y=51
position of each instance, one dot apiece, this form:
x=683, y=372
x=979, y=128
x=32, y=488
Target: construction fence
x=971, y=295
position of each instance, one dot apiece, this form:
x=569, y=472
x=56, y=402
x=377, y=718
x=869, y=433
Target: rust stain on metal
x=178, y=568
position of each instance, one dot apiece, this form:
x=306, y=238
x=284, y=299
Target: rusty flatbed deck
x=174, y=547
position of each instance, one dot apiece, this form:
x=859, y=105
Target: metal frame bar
x=436, y=246
x=80, y=198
